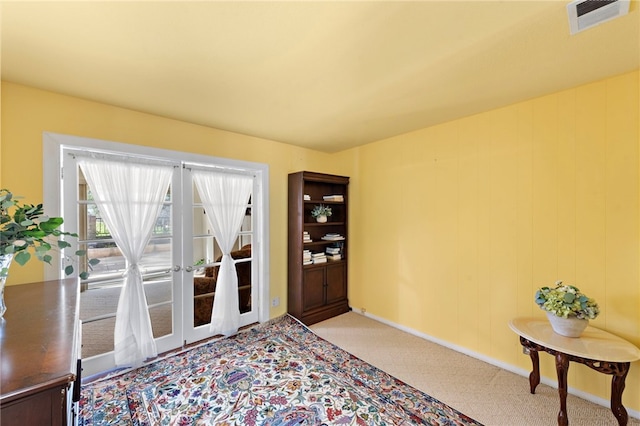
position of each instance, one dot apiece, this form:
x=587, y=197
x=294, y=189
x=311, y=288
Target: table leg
x=562, y=367
x=617, y=387
x=534, y=377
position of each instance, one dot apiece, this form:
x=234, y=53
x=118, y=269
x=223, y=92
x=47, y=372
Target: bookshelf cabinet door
x=313, y=294
x=336, y=283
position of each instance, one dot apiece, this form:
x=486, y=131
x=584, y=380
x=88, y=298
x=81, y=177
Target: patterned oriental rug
x=275, y=374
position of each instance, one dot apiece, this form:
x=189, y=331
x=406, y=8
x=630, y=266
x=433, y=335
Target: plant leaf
x=63, y=244
x=51, y=224
x=22, y=257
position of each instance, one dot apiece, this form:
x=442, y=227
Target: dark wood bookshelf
x=318, y=291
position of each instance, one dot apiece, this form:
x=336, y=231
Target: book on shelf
x=333, y=257
x=306, y=197
x=337, y=197
x=332, y=250
x=333, y=237
x=318, y=257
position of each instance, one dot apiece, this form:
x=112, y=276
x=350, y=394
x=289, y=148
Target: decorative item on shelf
x=568, y=310
x=321, y=212
x=24, y=227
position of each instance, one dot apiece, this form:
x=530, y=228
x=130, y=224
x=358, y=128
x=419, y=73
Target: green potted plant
x=321, y=212
x=24, y=228
x=568, y=310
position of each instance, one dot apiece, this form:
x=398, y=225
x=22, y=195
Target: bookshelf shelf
x=322, y=202
x=330, y=262
x=318, y=243
x=317, y=291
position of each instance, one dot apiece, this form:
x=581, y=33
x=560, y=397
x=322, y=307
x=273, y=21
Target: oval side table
x=595, y=348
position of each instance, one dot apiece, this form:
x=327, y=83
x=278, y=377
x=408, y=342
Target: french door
x=179, y=266
x=202, y=255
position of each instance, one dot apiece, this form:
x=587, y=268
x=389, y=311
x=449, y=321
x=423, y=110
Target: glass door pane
x=205, y=256
x=100, y=293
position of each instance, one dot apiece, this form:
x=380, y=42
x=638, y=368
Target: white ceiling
x=325, y=75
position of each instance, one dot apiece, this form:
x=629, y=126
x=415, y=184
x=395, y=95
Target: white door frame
x=53, y=148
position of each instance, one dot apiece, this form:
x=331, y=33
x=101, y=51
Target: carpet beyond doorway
x=97, y=336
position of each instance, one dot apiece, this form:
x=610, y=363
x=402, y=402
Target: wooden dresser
x=39, y=352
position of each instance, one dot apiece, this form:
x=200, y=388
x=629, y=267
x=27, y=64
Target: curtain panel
x=225, y=198
x=129, y=197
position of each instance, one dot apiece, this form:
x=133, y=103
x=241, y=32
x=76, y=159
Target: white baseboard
x=519, y=371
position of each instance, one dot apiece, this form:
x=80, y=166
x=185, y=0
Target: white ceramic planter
x=568, y=327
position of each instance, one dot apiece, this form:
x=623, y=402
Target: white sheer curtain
x=225, y=197
x=129, y=196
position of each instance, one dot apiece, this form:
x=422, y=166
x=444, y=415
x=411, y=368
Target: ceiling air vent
x=585, y=14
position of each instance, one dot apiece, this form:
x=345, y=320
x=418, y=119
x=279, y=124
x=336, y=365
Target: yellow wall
x=453, y=227
x=28, y=112
x=459, y=224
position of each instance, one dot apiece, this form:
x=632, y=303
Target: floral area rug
x=275, y=374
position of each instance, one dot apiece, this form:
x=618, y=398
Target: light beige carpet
x=489, y=394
